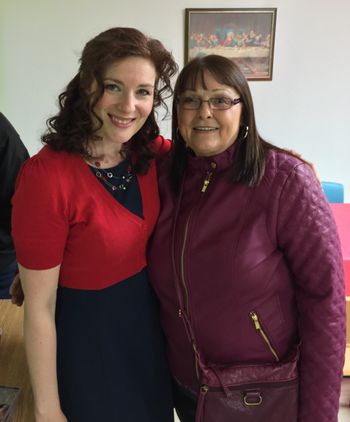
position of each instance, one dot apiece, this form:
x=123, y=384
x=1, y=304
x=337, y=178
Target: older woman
x=245, y=249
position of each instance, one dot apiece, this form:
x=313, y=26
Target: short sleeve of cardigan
x=39, y=216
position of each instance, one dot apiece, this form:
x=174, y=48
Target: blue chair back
x=334, y=191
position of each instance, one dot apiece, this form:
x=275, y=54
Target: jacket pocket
x=258, y=327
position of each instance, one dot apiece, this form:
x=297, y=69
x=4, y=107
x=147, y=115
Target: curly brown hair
x=72, y=128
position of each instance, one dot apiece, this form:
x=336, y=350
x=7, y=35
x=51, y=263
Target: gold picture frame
x=246, y=36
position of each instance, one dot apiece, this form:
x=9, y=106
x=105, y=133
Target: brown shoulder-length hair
x=250, y=153
x=72, y=128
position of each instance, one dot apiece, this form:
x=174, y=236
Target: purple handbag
x=249, y=393
x=256, y=392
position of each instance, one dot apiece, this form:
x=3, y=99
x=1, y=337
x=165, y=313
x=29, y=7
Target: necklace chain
x=121, y=182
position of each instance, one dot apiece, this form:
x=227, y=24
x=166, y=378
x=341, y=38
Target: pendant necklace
x=114, y=182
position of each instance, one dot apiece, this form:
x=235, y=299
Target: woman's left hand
x=309, y=163
x=16, y=292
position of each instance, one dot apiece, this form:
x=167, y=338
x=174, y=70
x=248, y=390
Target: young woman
x=83, y=211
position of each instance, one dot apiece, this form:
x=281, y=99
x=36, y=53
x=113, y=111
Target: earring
x=246, y=132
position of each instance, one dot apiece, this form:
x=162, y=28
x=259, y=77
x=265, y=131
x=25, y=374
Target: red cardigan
x=63, y=215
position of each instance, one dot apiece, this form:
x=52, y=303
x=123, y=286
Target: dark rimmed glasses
x=189, y=102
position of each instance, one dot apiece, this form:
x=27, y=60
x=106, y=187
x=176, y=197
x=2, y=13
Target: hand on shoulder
x=161, y=146
x=309, y=163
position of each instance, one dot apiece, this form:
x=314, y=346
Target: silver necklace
x=112, y=181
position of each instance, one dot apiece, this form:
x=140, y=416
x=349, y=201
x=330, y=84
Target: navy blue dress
x=111, y=361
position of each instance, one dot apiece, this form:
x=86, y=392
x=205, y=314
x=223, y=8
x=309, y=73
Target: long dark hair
x=73, y=126
x=250, y=153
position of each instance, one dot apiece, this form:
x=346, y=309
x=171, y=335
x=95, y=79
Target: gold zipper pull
x=259, y=328
x=206, y=181
x=255, y=319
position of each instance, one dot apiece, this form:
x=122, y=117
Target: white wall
x=304, y=107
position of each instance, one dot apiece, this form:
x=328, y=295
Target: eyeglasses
x=188, y=102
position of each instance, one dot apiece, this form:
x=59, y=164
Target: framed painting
x=246, y=36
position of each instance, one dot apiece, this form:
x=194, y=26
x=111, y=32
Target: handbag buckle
x=252, y=398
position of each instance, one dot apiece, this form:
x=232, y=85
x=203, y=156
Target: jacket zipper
x=254, y=317
x=206, y=181
x=183, y=282
x=182, y=264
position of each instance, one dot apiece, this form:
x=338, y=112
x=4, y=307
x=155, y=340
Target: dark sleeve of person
x=12, y=155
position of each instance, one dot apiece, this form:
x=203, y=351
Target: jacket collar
x=220, y=162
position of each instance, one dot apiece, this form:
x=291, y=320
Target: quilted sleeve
x=308, y=236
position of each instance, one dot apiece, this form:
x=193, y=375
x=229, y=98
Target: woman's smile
x=205, y=130
x=121, y=122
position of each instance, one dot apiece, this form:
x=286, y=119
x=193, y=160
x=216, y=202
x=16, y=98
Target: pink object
x=341, y=214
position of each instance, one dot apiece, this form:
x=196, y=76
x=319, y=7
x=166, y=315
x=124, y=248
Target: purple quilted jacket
x=260, y=270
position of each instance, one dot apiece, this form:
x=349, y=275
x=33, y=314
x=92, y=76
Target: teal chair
x=334, y=191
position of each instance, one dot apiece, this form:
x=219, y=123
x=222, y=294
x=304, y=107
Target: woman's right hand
x=16, y=292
